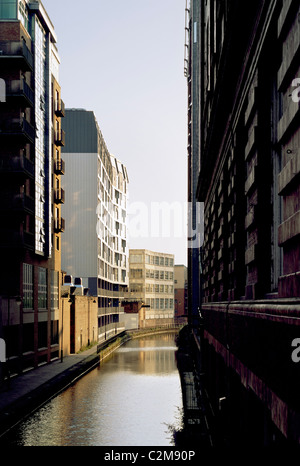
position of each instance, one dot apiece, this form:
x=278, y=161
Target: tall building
x=192, y=73
x=180, y=293
x=151, y=281
x=95, y=239
x=30, y=169
x=248, y=180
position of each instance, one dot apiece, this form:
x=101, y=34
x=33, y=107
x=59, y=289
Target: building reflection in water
x=134, y=398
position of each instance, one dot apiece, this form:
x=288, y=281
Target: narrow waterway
x=133, y=399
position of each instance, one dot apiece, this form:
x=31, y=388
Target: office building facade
x=95, y=240
x=151, y=281
x=30, y=168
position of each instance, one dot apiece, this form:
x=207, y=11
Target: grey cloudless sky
x=124, y=60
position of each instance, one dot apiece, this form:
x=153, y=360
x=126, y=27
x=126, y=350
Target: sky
x=124, y=60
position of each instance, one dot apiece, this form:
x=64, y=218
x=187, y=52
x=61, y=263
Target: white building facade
x=95, y=242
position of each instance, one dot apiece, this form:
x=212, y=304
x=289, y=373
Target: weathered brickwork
x=248, y=180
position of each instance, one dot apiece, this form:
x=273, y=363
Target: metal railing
x=59, y=138
x=20, y=88
x=16, y=165
x=59, y=108
x=59, y=196
x=16, y=49
x=59, y=225
x=59, y=166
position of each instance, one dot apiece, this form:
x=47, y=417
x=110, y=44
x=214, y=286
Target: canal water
x=133, y=399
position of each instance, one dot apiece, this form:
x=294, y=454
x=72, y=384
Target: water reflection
x=131, y=400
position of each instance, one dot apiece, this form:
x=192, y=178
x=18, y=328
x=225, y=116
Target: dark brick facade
x=248, y=180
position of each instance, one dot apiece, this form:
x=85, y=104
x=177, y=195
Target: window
x=136, y=258
x=54, y=289
x=42, y=288
x=23, y=14
x=136, y=273
x=27, y=286
x=42, y=334
x=54, y=332
x=136, y=287
x=8, y=9
x=162, y=302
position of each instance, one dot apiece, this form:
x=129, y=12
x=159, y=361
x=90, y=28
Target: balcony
x=59, y=108
x=17, y=203
x=21, y=130
x=59, y=138
x=16, y=167
x=20, y=93
x=15, y=54
x=59, y=167
x=59, y=225
x=59, y=196
x=11, y=239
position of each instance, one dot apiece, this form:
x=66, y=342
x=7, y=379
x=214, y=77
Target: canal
x=133, y=399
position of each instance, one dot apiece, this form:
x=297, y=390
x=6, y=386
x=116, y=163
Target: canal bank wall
x=22, y=395
x=196, y=411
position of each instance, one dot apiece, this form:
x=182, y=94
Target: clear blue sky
x=124, y=60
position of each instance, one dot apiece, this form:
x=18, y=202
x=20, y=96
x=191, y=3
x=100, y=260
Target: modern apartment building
x=31, y=196
x=248, y=179
x=95, y=240
x=151, y=281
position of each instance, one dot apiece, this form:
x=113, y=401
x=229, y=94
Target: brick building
x=180, y=293
x=31, y=194
x=243, y=77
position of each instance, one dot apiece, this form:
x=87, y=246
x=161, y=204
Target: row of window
x=160, y=303
x=138, y=288
x=152, y=260
x=152, y=274
x=28, y=288
x=11, y=334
